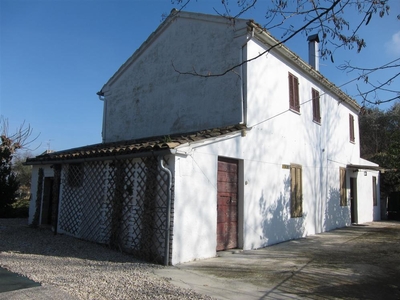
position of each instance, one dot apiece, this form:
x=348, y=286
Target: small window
x=351, y=127
x=294, y=101
x=315, y=105
x=374, y=196
x=343, y=192
x=296, y=191
x=75, y=175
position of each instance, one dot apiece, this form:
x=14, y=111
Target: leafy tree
x=9, y=183
x=380, y=143
x=22, y=173
x=8, y=180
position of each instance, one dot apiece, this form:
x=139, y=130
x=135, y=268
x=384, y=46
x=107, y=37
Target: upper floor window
x=315, y=105
x=294, y=101
x=351, y=128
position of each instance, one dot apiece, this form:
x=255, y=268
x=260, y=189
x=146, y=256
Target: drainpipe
x=168, y=225
x=103, y=98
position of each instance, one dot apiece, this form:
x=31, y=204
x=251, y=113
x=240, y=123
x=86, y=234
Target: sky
x=55, y=55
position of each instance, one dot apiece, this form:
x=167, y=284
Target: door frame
x=46, y=209
x=240, y=197
x=353, y=200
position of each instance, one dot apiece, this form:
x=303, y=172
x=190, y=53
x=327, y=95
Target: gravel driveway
x=82, y=269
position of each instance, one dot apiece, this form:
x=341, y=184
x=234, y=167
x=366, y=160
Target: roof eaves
x=133, y=148
x=364, y=167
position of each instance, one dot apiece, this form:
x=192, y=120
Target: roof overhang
x=153, y=146
x=364, y=167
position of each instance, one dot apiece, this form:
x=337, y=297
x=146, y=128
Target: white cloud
x=393, y=46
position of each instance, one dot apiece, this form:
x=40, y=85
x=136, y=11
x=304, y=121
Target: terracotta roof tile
x=133, y=146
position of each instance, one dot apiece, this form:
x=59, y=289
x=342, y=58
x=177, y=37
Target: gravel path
x=82, y=269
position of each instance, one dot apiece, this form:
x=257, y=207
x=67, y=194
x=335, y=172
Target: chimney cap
x=313, y=38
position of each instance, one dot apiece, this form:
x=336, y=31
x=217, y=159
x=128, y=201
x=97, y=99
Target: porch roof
x=140, y=147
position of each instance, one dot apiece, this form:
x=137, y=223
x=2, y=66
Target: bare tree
x=330, y=20
x=370, y=93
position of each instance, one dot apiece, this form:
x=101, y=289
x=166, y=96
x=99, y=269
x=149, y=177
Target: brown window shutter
x=351, y=127
x=316, y=108
x=291, y=91
x=374, y=196
x=294, y=93
x=292, y=191
x=299, y=192
x=296, y=191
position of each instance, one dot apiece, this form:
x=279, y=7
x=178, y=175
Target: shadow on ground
x=357, y=262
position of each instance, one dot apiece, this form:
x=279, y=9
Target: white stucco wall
x=147, y=97
x=365, y=196
x=278, y=137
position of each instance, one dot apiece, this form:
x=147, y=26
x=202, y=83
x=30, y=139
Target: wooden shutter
x=296, y=191
x=351, y=127
x=316, y=108
x=374, y=197
x=294, y=93
x=343, y=193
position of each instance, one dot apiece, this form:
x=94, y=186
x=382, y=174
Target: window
x=351, y=127
x=75, y=175
x=374, y=197
x=296, y=191
x=315, y=105
x=343, y=192
x=294, y=101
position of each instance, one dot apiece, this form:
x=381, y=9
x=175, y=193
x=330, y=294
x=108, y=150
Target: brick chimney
x=313, y=58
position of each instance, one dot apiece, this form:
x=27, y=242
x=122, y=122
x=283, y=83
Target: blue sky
x=56, y=54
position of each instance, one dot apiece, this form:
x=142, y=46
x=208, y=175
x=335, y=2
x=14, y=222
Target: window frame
x=351, y=129
x=296, y=191
x=316, y=106
x=294, y=98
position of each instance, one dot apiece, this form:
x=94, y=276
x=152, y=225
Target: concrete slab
x=10, y=281
x=37, y=293
x=357, y=262
x=16, y=287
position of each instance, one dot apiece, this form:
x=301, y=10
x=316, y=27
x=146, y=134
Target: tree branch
x=195, y=73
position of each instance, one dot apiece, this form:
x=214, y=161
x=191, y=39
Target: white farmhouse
x=192, y=164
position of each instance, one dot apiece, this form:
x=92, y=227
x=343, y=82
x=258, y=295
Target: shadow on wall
x=277, y=224
x=336, y=216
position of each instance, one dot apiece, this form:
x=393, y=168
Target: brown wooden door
x=227, y=204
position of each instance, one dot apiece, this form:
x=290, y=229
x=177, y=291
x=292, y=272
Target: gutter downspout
x=243, y=86
x=168, y=225
x=102, y=97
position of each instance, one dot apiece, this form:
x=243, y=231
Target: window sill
x=295, y=111
x=317, y=122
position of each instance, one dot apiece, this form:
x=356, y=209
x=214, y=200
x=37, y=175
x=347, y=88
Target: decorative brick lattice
x=120, y=203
